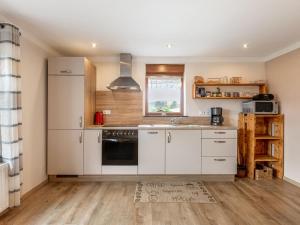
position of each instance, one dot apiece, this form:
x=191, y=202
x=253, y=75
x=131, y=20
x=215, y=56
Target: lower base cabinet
x=65, y=152
x=183, y=151
x=219, y=165
x=151, y=152
x=92, y=156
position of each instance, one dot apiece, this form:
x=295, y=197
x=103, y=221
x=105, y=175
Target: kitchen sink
x=172, y=125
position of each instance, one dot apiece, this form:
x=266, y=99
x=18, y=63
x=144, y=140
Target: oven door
x=119, y=151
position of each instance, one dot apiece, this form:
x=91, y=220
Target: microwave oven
x=261, y=107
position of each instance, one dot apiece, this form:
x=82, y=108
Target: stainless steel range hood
x=125, y=81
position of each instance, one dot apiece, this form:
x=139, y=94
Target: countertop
x=162, y=127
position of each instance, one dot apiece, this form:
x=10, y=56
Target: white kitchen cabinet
x=219, y=147
x=219, y=165
x=66, y=66
x=219, y=133
x=151, y=152
x=65, y=102
x=183, y=151
x=92, y=152
x=65, y=152
x=219, y=151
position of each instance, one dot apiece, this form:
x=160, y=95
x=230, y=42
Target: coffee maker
x=216, y=116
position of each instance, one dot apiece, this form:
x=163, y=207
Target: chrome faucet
x=173, y=121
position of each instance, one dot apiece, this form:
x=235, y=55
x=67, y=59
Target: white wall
x=34, y=89
x=283, y=74
x=107, y=70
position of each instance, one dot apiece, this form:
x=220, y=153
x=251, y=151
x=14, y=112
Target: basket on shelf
x=263, y=172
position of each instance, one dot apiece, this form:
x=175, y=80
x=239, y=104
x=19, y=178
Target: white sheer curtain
x=10, y=109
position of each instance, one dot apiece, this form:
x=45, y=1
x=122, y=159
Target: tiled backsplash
x=127, y=108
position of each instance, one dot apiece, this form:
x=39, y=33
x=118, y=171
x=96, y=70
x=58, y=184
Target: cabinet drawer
x=66, y=66
x=219, y=165
x=219, y=134
x=219, y=147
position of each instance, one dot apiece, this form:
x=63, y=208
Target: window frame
x=164, y=114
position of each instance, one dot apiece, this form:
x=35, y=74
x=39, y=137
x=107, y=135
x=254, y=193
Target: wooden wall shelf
x=260, y=140
x=262, y=89
x=222, y=97
x=231, y=84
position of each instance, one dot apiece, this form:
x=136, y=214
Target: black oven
x=120, y=147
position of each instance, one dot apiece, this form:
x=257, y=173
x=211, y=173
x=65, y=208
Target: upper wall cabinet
x=65, y=102
x=66, y=66
x=71, y=92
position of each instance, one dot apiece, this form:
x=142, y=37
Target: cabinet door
x=65, y=102
x=183, y=151
x=65, y=152
x=92, y=162
x=66, y=66
x=151, y=152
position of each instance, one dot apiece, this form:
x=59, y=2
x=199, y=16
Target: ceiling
x=202, y=28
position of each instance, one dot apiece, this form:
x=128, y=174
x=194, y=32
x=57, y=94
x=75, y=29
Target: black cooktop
x=119, y=125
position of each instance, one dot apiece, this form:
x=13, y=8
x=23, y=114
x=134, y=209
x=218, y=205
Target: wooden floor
x=111, y=203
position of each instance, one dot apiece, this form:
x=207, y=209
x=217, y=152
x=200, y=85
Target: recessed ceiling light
x=246, y=45
x=94, y=45
x=169, y=45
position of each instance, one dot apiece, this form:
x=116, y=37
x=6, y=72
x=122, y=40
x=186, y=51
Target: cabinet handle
x=169, y=137
x=99, y=137
x=66, y=71
x=80, y=122
x=80, y=138
x=220, y=160
x=220, y=132
x=153, y=132
x=220, y=142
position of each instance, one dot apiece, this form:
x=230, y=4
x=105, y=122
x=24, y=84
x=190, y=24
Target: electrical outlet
x=204, y=113
x=107, y=112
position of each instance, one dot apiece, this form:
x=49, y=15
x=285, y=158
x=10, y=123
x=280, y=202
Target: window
x=164, y=93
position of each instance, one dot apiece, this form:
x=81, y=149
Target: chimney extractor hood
x=125, y=81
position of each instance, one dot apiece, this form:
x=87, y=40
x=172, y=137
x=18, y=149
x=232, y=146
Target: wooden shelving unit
x=262, y=89
x=261, y=141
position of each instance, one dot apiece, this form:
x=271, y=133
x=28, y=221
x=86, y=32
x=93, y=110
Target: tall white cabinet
x=183, y=151
x=71, y=102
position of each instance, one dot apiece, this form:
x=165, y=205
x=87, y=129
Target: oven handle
x=117, y=140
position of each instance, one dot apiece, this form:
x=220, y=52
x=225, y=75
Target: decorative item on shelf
x=227, y=94
x=224, y=80
x=201, y=92
x=198, y=79
x=236, y=94
x=214, y=80
x=208, y=93
x=235, y=80
x=217, y=93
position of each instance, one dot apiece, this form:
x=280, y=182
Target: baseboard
x=291, y=181
x=137, y=178
x=28, y=193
